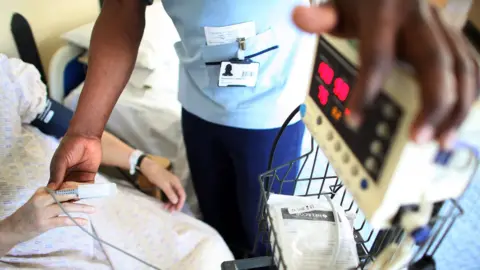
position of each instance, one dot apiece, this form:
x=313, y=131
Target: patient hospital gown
x=129, y=220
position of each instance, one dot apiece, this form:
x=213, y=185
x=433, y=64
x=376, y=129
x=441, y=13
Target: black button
x=388, y=111
x=337, y=146
x=376, y=148
x=371, y=164
x=383, y=130
x=354, y=171
x=329, y=136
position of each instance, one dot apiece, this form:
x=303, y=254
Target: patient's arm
x=7, y=240
x=117, y=153
x=38, y=215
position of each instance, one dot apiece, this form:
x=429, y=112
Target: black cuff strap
x=139, y=162
x=54, y=120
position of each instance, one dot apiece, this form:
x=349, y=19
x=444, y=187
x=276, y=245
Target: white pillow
x=158, y=38
x=80, y=36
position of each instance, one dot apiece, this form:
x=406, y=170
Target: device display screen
x=331, y=87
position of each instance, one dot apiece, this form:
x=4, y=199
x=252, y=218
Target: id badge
x=238, y=74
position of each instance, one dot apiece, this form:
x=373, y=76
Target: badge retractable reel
x=386, y=173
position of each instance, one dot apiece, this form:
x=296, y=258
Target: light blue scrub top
x=261, y=107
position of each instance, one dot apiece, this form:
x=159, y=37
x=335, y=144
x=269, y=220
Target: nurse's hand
x=413, y=31
x=76, y=159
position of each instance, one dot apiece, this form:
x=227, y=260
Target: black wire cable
x=279, y=134
x=275, y=143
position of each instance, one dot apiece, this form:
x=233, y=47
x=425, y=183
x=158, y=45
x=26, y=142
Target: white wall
x=48, y=20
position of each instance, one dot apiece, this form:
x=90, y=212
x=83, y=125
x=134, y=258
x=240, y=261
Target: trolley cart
x=316, y=178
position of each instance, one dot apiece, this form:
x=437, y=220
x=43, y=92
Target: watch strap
x=139, y=162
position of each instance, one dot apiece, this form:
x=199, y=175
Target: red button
x=341, y=89
x=323, y=95
x=325, y=72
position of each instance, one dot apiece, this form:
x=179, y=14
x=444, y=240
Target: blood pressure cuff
x=54, y=120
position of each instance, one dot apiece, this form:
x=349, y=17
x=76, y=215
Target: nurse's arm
x=113, y=51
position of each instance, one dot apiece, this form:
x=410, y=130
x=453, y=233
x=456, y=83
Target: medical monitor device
x=383, y=170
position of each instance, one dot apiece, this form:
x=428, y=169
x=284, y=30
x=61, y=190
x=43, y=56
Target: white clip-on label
x=228, y=34
x=303, y=209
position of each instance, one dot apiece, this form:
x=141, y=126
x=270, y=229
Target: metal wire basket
x=317, y=178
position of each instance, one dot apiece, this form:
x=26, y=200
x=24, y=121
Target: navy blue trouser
x=225, y=164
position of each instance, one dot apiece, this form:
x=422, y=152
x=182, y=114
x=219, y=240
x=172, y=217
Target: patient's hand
x=166, y=181
x=41, y=213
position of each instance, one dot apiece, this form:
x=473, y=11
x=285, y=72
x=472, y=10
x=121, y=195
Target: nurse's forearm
x=113, y=51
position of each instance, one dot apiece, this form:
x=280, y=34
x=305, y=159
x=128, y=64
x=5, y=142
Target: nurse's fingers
x=434, y=64
x=475, y=56
x=58, y=169
x=464, y=68
x=316, y=20
x=377, y=53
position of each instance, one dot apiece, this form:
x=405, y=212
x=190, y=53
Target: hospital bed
x=129, y=220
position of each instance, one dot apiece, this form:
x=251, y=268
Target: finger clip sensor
x=90, y=191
